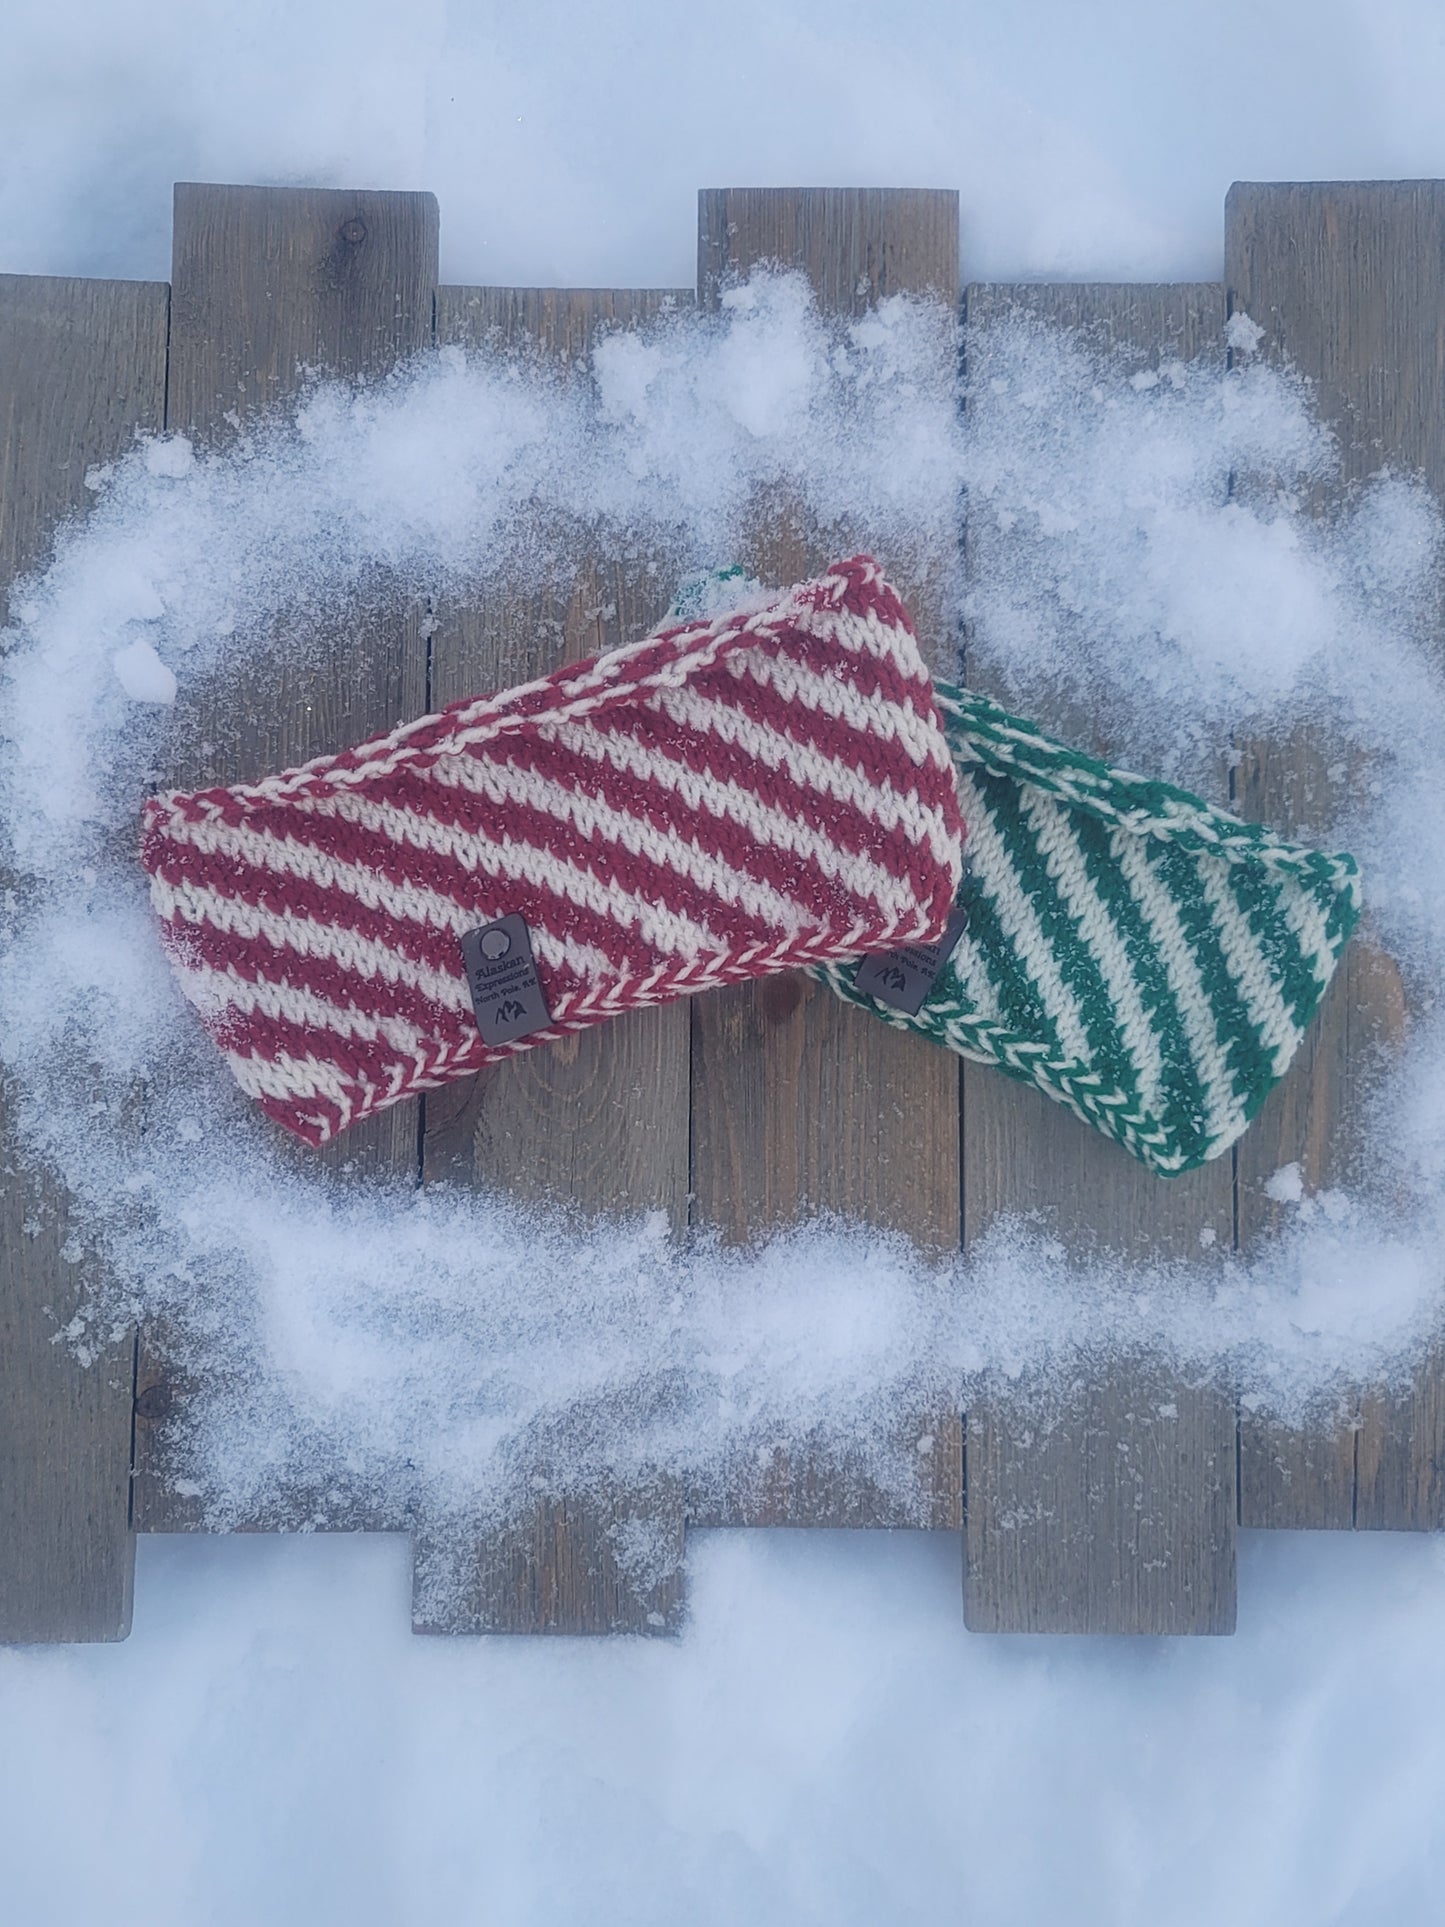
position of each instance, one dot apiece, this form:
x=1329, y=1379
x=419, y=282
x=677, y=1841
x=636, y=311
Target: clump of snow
x=1242, y=334
x=143, y=676
x=1286, y=1185
x=169, y=456
x=394, y=1354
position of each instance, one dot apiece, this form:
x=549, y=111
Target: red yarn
x=721, y=800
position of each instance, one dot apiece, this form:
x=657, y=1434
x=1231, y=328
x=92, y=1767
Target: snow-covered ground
x=826, y=1747
x=567, y=142
x=825, y=1744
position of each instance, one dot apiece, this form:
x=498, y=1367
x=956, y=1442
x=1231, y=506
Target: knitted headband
x=723, y=799
x=1146, y=960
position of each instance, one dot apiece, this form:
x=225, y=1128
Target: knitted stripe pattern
x=724, y=799
x=1146, y=960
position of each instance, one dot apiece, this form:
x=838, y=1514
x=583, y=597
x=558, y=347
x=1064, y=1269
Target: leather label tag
x=502, y=977
x=903, y=978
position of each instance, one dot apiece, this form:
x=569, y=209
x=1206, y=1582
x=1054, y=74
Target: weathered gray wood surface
x=1115, y=1512
x=1347, y=279
x=857, y=245
x=800, y=1103
x=599, y=1121
x=270, y=287
x=1290, y=1477
x=82, y=368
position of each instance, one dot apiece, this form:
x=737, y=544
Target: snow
x=1243, y=334
x=169, y=455
x=1089, y=142
x=143, y=676
x=1286, y=1185
x=824, y=1743
x=824, y=1748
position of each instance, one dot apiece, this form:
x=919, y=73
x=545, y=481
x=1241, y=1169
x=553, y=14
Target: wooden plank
x=271, y=286
x=82, y=368
x=857, y=245
x=1347, y=279
x=1290, y=1477
x=1113, y=1511
x=800, y=1103
x=569, y=1567
x=598, y=1121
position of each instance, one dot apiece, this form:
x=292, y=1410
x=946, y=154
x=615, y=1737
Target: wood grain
x=599, y=1121
x=82, y=368
x=800, y=1103
x=1112, y=1513
x=1117, y=1514
x=1347, y=279
x=564, y=1569
x=272, y=288
x=857, y=245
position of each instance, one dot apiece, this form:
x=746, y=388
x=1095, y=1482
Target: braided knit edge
x=667, y=658
x=431, y=1068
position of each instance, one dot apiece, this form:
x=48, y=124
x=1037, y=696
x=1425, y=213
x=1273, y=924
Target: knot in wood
x=780, y=997
x=156, y=1401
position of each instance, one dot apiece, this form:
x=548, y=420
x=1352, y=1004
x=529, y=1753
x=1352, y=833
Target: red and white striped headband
x=721, y=800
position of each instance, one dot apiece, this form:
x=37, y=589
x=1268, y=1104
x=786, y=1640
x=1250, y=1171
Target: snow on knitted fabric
x=1149, y=961
x=728, y=797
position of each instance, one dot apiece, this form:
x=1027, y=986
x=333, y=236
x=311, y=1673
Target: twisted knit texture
x=724, y=799
x=1146, y=960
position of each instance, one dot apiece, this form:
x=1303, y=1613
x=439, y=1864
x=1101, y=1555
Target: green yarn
x=1143, y=958
x=709, y=592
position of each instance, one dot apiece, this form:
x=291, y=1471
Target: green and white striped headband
x=1147, y=960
